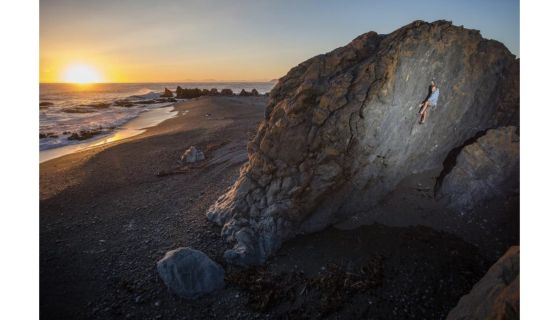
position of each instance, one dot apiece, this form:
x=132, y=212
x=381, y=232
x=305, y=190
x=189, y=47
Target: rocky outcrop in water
x=486, y=169
x=196, y=92
x=167, y=94
x=188, y=93
x=47, y=135
x=226, y=92
x=85, y=134
x=496, y=295
x=341, y=130
x=123, y=103
x=245, y=93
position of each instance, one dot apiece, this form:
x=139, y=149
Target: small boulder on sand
x=192, y=154
x=190, y=273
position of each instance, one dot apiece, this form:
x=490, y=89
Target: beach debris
x=337, y=284
x=190, y=273
x=326, y=292
x=267, y=289
x=192, y=154
x=167, y=94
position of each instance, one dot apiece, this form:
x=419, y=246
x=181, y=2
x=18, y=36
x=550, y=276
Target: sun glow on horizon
x=82, y=74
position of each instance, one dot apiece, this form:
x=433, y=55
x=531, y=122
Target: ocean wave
x=58, y=127
x=146, y=96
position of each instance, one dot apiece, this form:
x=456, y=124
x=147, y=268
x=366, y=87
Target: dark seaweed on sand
x=314, y=296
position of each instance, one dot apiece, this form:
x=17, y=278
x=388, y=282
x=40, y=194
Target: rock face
x=341, y=131
x=484, y=170
x=496, y=295
x=191, y=155
x=190, y=273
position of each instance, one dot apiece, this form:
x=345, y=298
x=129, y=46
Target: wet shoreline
x=135, y=126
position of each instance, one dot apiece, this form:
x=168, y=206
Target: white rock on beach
x=192, y=154
x=190, y=273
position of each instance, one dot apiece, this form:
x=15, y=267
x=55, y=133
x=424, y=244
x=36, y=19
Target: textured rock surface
x=190, y=273
x=496, y=295
x=340, y=130
x=192, y=154
x=484, y=170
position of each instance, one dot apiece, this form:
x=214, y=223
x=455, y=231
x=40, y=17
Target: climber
x=430, y=101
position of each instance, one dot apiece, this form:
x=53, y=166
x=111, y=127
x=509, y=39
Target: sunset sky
x=158, y=41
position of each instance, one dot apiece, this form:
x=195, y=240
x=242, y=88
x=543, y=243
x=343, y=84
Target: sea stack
x=341, y=130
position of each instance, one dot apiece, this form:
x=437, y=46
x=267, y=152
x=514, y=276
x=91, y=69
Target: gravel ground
x=106, y=218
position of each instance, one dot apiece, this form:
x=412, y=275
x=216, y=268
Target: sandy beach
x=108, y=214
x=106, y=217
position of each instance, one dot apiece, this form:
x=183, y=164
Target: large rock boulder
x=496, y=295
x=484, y=170
x=341, y=130
x=190, y=273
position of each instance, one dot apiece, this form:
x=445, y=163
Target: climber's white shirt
x=434, y=97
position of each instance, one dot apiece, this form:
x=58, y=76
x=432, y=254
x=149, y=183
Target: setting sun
x=81, y=73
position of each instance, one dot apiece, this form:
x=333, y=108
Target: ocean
x=72, y=108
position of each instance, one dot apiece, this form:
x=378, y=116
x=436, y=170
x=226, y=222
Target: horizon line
x=180, y=81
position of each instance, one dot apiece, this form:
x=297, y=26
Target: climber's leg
x=422, y=107
x=424, y=113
